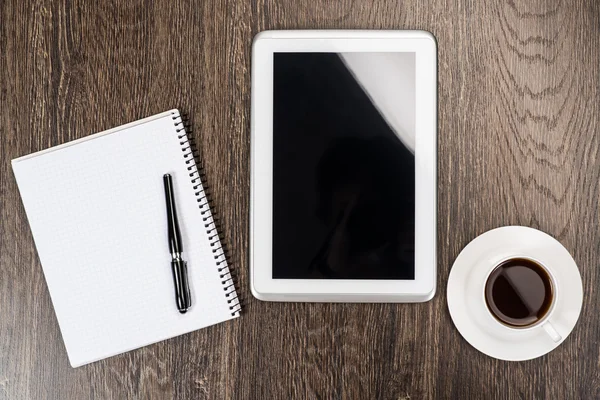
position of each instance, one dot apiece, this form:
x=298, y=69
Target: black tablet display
x=343, y=166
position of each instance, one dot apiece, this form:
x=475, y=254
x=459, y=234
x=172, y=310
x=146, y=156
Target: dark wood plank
x=518, y=144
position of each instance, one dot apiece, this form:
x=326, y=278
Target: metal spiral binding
x=205, y=203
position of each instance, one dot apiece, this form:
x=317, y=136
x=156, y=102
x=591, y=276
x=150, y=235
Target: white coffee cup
x=467, y=301
x=519, y=293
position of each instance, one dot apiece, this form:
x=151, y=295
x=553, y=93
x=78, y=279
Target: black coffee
x=519, y=292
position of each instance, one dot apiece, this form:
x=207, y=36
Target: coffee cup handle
x=554, y=335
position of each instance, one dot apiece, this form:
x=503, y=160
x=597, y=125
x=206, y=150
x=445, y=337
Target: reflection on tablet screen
x=344, y=166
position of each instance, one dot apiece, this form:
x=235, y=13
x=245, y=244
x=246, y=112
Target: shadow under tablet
x=343, y=183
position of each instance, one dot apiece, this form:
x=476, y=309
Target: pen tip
x=166, y=175
x=183, y=310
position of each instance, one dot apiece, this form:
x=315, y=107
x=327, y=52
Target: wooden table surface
x=519, y=143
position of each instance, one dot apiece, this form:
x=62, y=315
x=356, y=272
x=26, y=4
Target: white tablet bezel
x=263, y=286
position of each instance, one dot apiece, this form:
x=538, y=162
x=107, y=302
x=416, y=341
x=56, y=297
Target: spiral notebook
x=96, y=207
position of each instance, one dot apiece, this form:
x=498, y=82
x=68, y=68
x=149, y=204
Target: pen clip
x=175, y=245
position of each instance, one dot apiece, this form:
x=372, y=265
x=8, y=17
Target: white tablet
x=343, y=174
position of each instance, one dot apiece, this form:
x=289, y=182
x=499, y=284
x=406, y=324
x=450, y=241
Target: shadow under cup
x=519, y=292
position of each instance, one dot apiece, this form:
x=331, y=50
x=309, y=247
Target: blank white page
x=97, y=212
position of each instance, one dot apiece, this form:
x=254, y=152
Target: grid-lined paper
x=97, y=212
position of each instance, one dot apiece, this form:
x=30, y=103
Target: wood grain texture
x=519, y=143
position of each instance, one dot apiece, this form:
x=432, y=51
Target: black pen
x=178, y=266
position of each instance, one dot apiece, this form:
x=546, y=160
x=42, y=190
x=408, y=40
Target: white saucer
x=466, y=300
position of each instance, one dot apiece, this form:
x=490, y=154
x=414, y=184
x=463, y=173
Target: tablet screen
x=344, y=166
